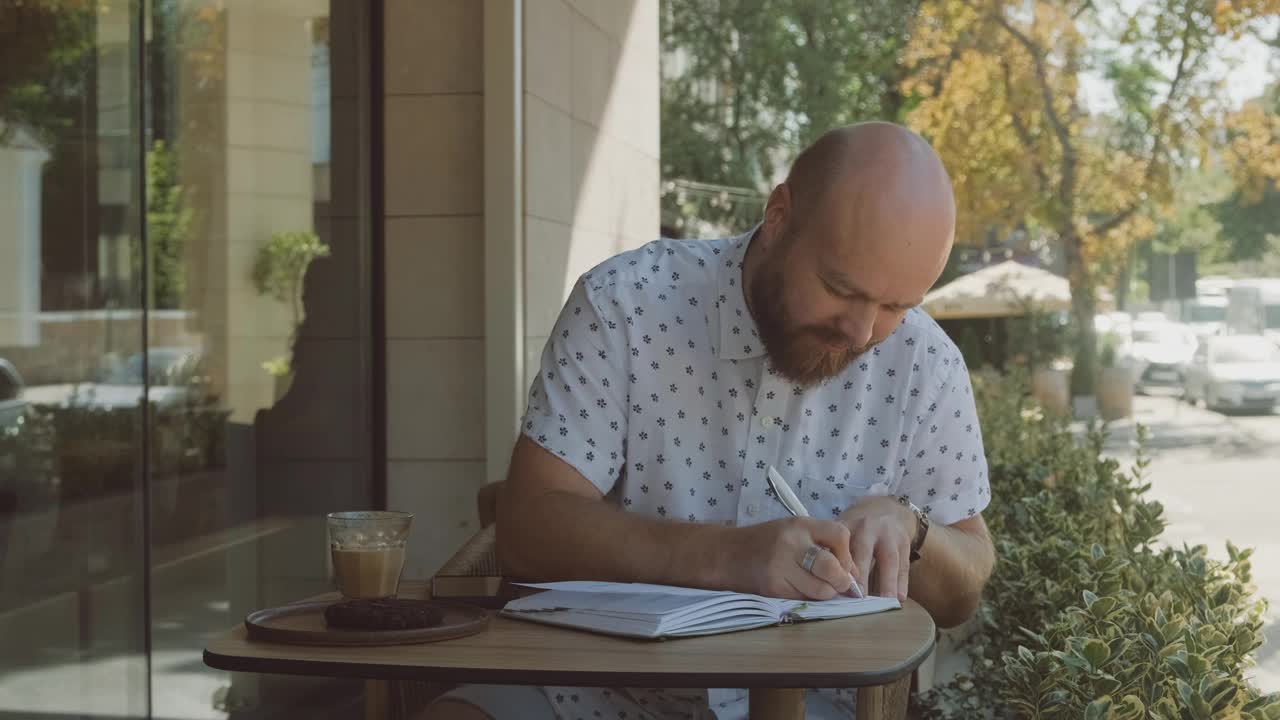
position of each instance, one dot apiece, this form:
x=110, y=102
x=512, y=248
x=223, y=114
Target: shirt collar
x=739, y=338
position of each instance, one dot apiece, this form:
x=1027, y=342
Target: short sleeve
x=576, y=408
x=946, y=472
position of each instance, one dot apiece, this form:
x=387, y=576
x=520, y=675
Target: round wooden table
x=876, y=653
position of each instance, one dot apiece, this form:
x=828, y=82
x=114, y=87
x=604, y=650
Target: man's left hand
x=883, y=529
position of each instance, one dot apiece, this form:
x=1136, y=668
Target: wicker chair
x=407, y=699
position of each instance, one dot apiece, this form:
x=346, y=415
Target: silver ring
x=810, y=557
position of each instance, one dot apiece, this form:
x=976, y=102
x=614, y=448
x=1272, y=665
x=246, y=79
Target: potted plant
x=278, y=272
x=1040, y=336
x=1115, y=384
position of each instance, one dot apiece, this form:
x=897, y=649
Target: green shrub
x=75, y=453
x=1086, y=615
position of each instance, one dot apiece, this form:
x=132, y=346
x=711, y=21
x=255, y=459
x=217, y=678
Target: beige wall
x=268, y=181
x=434, y=270
x=591, y=145
x=590, y=189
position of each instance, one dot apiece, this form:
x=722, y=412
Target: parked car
x=1205, y=316
x=1238, y=372
x=12, y=403
x=1156, y=352
x=1116, y=323
x=174, y=376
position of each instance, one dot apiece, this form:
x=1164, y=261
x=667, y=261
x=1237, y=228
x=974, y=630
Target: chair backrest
x=487, y=503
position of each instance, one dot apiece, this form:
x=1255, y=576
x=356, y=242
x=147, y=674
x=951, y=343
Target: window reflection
x=192, y=239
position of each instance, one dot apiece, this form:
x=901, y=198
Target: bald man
x=678, y=374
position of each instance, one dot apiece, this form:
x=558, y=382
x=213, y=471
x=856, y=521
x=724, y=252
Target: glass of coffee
x=368, y=551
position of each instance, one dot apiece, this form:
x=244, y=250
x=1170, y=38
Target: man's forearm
x=954, y=565
x=562, y=536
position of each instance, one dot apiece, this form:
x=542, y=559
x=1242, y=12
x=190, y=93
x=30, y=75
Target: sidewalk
x=1172, y=424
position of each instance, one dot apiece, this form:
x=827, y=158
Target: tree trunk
x=1083, y=307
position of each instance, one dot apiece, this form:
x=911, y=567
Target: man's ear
x=777, y=212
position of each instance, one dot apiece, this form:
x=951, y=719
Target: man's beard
x=801, y=354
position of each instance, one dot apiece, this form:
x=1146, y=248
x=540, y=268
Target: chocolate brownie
x=389, y=614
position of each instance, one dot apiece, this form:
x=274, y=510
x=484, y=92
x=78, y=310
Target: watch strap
x=922, y=527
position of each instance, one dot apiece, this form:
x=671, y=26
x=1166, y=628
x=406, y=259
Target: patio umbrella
x=1004, y=290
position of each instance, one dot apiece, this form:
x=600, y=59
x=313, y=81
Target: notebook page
x=842, y=607
x=618, y=602
x=613, y=587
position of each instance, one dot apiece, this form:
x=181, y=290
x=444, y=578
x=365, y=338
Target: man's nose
x=858, y=322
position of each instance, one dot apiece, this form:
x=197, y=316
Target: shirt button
x=767, y=421
x=752, y=509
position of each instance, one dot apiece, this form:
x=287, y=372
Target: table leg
x=884, y=702
x=377, y=699
x=777, y=704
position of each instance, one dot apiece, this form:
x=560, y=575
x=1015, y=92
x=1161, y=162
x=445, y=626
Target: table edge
x=474, y=676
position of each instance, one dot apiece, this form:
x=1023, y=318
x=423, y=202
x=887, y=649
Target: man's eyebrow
x=844, y=283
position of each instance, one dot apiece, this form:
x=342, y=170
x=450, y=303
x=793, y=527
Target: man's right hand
x=765, y=559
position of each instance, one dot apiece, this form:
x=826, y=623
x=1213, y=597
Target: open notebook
x=662, y=611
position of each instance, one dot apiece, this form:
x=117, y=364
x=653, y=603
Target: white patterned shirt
x=655, y=386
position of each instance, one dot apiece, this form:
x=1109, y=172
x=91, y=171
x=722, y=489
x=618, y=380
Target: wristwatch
x=922, y=527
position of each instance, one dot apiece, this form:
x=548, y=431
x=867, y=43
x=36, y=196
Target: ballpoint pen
x=797, y=509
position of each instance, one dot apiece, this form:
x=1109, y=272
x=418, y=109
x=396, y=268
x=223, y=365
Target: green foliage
x=62, y=454
x=1250, y=227
x=1041, y=336
x=1086, y=615
x=28, y=470
x=1267, y=264
x=45, y=46
x=750, y=82
x=169, y=220
x=1108, y=351
x=281, y=265
x=970, y=346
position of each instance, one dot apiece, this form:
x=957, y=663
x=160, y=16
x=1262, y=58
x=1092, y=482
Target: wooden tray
x=303, y=624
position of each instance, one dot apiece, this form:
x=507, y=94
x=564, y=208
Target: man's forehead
x=870, y=287
x=872, y=267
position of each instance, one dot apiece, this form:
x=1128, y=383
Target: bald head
x=857, y=234
x=881, y=156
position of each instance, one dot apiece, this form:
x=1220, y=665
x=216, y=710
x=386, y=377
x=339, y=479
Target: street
x=1218, y=477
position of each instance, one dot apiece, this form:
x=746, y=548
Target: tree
x=1250, y=217
x=169, y=219
x=281, y=265
x=998, y=88
x=278, y=272
x=43, y=47
x=747, y=83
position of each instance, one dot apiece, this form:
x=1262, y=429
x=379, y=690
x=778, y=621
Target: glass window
x=182, y=224
x=1206, y=313
x=1273, y=317
x=72, y=478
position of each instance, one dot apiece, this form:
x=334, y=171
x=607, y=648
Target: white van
x=1253, y=308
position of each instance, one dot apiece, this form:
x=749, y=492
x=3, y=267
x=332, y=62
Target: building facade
x=323, y=241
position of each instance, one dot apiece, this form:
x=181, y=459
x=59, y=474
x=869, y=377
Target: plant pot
x=1115, y=393
x=1049, y=387
x=1084, y=407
